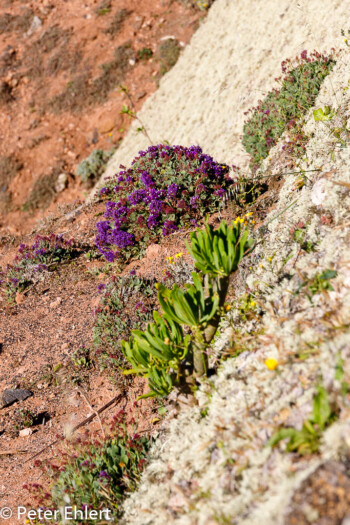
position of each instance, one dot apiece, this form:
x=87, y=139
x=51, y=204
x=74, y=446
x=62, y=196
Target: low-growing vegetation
x=32, y=262
x=81, y=92
x=168, y=54
x=126, y=303
x=307, y=440
x=91, y=168
x=94, y=474
x=166, y=188
x=282, y=109
x=166, y=353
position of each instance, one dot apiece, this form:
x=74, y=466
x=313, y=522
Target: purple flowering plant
x=165, y=189
x=126, y=303
x=32, y=260
x=95, y=473
x=283, y=109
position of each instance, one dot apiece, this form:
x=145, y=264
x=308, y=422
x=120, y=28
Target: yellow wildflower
x=249, y=214
x=179, y=255
x=253, y=222
x=270, y=259
x=121, y=464
x=271, y=363
x=167, y=341
x=261, y=266
x=252, y=304
x=227, y=307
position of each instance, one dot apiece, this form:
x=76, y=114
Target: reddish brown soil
x=59, y=89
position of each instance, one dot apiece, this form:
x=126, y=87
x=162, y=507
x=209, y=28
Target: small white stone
x=25, y=432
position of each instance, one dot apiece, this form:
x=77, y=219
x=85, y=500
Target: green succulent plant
x=219, y=252
x=157, y=353
x=162, y=353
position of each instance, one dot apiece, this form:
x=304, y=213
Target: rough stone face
x=323, y=498
x=230, y=64
x=10, y=396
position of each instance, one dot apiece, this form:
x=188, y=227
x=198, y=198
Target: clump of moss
x=168, y=54
x=145, y=53
x=91, y=169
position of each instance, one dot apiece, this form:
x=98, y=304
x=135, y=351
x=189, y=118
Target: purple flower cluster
x=44, y=250
x=165, y=188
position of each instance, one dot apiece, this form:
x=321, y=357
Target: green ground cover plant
x=126, y=303
x=307, y=440
x=96, y=474
x=168, y=54
x=145, y=53
x=91, y=168
x=283, y=108
x=166, y=353
x=318, y=284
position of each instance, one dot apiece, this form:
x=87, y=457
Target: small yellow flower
x=167, y=341
x=179, y=255
x=250, y=267
x=227, y=307
x=121, y=464
x=261, y=266
x=271, y=363
x=252, y=304
x=270, y=259
x=253, y=222
x=157, y=286
x=249, y=214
